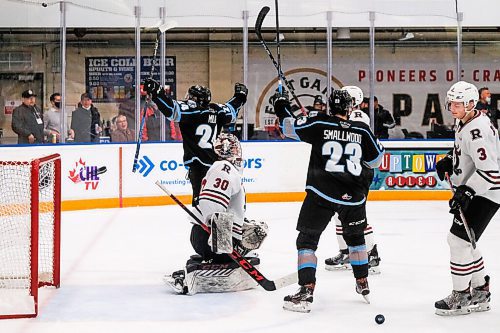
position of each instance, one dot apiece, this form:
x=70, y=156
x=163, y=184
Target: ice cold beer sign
x=307, y=82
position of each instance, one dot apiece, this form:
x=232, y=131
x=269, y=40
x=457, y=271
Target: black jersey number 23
x=338, y=155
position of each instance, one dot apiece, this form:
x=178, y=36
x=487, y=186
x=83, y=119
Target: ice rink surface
x=113, y=262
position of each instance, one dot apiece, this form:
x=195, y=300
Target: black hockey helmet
x=319, y=100
x=340, y=102
x=200, y=94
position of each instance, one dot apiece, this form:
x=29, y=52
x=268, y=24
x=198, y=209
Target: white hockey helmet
x=356, y=93
x=462, y=92
x=228, y=147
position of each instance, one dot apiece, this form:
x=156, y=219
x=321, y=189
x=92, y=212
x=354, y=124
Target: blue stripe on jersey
x=175, y=110
x=233, y=111
x=196, y=158
x=373, y=164
x=326, y=197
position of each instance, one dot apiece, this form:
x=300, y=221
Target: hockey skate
x=457, y=303
x=373, y=261
x=363, y=289
x=176, y=281
x=339, y=262
x=300, y=301
x=480, y=297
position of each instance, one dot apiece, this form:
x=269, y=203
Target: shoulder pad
x=191, y=104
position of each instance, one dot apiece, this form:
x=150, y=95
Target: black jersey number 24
x=336, y=151
x=207, y=136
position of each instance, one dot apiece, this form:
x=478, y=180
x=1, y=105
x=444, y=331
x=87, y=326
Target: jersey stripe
x=489, y=176
x=197, y=159
x=216, y=192
x=204, y=194
x=324, y=196
x=213, y=200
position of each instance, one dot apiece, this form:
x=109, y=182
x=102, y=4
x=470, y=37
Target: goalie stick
x=161, y=29
x=265, y=283
x=468, y=230
x=281, y=76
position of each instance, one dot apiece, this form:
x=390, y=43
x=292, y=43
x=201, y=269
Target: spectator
x=27, y=120
x=383, y=118
x=122, y=133
x=484, y=105
x=52, y=119
x=85, y=121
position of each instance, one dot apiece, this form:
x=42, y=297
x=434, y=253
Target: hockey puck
x=44, y=4
x=379, y=319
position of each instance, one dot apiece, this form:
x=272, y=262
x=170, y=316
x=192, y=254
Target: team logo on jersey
x=346, y=197
x=83, y=173
x=344, y=124
x=307, y=84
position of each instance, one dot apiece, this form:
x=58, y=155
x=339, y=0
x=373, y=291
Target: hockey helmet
x=228, y=147
x=200, y=94
x=356, y=94
x=318, y=99
x=340, y=102
x=464, y=92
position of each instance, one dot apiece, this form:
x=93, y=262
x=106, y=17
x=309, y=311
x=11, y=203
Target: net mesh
x=16, y=205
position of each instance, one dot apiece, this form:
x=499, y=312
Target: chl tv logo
x=144, y=166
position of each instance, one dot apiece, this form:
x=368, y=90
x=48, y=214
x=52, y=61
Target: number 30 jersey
x=339, y=150
x=222, y=191
x=199, y=127
x=476, y=157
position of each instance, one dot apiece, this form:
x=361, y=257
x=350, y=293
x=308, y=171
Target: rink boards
x=100, y=176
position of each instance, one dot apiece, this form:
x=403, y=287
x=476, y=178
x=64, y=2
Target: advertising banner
x=112, y=79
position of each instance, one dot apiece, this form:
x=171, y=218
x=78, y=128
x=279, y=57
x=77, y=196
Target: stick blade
x=260, y=19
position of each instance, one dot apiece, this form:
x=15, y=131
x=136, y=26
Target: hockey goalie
x=221, y=207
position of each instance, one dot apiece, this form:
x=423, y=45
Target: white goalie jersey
x=476, y=156
x=222, y=191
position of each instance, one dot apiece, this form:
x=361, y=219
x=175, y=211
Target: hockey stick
x=468, y=230
x=161, y=29
x=268, y=285
x=258, y=31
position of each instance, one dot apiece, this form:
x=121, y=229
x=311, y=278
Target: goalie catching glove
x=221, y=239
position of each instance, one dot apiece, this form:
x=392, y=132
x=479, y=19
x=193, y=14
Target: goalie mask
x=462, y=92
x=356, y=94
x=200, y=94
x=228, y=147
x=340, y=102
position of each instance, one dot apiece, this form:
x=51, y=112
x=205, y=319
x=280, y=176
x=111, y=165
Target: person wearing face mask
x=85, y=121
x=27, y=120
x=52, y=119
x=484, y=105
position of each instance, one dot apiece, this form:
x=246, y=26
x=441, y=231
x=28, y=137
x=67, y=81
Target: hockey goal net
x=30, y=216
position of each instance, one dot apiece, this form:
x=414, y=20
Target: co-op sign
x=146, y=165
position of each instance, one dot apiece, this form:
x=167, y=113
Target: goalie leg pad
x=221, y=238
x=218, y=278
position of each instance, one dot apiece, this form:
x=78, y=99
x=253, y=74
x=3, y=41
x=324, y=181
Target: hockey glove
x=461, y=199
x=444, y=166
x=151, y=87
x=240, y=92
x=279, y=97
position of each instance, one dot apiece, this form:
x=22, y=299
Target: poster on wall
x=112, y=79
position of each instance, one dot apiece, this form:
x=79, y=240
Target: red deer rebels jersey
x=476, y=157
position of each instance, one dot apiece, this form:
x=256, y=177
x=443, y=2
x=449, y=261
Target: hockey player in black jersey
x=339, y=148
x=200, y=122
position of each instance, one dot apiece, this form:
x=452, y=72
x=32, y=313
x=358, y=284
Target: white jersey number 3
x=335, y=150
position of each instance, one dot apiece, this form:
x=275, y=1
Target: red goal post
x=30, y=232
